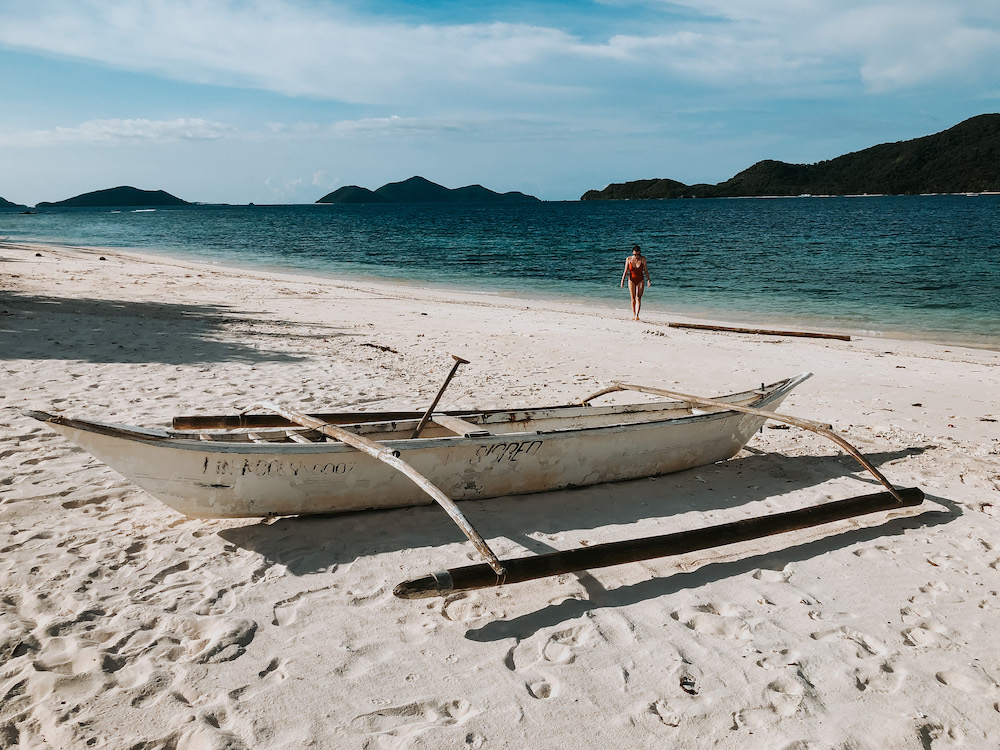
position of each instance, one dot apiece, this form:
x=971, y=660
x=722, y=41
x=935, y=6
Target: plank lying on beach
x=518, y=570
x=761, y=331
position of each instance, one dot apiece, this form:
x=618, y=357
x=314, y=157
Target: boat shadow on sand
x=316, y=543
x=116, y=331
x=598, y=597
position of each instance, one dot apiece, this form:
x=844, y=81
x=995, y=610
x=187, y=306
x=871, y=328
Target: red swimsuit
x=634, y=272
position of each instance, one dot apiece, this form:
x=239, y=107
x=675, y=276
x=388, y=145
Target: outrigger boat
x=289, y=463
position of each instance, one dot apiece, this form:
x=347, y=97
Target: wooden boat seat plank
x=459, y=426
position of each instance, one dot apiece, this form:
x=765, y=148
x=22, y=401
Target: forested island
x=962, y=159
x=421, y=190
x=124, y=196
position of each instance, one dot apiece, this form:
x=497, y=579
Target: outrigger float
x=286, y=462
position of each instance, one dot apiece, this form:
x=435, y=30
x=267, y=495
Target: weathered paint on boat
x=534, y=450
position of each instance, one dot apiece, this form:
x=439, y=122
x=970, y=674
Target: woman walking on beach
x=637, y=272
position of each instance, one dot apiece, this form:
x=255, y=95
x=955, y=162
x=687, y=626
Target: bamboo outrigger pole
x=805, y=424
x=521, y=569
x=391, y=458
x=632, y=550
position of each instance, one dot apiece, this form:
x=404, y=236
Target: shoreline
x=687, y=314
x=125, y=624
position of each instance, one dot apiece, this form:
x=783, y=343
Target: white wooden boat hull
x=217, y=479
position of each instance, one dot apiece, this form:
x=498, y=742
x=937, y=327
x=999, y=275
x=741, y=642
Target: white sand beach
x=126, y=625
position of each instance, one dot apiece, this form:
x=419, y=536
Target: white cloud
x=123, y=131
x=394, y=127
x=281, y=46
x=328, y=50
x=284, y=189
x=887, y=44
x=901, y=47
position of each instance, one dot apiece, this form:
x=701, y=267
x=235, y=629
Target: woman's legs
x=635, y=292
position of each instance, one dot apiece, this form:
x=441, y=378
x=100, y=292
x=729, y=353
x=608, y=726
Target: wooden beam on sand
x=521, y=569
x=761, y=331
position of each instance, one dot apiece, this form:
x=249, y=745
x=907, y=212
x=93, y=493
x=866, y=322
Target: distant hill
x=962, y=159
x=420, y=190
x=7, y=204
x=351, y=194
x=119, y=196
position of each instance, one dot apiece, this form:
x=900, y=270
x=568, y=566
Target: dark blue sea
x=919, y=266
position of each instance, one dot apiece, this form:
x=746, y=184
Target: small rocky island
x=124, y=197
x=420, y=190
x=962, y=159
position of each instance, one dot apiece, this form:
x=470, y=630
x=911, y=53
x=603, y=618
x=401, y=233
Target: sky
x=283, y=101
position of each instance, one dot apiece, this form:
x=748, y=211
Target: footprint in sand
x=222, y=639
x=662, y=710
x=380, y=593
x=169, y=571
x=969, y=681
x=940, y=736
x=772, y=575
x=270, y=676
x=925, y=630
x=82, y=502
x=721, y=620
x=877, y=550
x=866, y=646
x=935, y=592
x=274, y=672
x=466, y=608
x=784, y=658
x=942, y=561
x=531, y=658
x=927, y=635
x=216, y=601
x=152, y=690
x=785, y=694
x=883, y=678
x=405, y=722
x=355, y=667
x=210, y=731
x=563, y=646
x=419, y=627
x=542, y=688
x=286, y=611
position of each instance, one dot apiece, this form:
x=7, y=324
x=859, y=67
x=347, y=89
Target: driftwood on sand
x=761, y=331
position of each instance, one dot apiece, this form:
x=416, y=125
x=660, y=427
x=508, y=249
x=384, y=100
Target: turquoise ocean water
x=921, y=266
